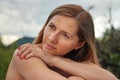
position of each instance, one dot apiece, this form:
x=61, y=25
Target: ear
x=80, y=44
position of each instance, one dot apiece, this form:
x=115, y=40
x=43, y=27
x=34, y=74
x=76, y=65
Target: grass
x=5, y=58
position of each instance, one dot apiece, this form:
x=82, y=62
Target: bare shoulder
x=29, y=65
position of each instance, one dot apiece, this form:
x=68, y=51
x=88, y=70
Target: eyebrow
x=62, y=30
x=52, y=24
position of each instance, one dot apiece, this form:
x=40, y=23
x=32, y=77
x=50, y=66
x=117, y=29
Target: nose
x=53, y=37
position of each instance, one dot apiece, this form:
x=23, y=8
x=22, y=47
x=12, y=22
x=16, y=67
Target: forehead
x=65, y=23
x=68, y=21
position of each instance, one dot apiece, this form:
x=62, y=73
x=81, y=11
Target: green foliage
x=108, y=49
x=1, y=44
x=5, y=57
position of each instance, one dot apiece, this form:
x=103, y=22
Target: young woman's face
x=60, y=36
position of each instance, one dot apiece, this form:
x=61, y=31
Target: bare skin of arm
x=12, y=73
x=84, y=70
x=33, y=69
x=89, y=71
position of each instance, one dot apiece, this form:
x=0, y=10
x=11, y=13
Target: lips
x=48, y=46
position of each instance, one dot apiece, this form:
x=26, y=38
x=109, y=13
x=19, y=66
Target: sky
x=26, y=17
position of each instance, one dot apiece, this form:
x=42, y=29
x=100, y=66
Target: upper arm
x=12, y=74
x=35, y=69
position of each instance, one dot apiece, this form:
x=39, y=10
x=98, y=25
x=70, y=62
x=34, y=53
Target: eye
x=51, y=27
x=66, y=35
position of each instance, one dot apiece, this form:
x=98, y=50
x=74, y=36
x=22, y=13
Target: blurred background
x=21, y=20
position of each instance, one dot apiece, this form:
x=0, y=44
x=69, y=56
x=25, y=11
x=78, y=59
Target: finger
x=16, y=52
x=19, y=48
x=22, y=48
x=29, y=55
x=26, y=52
x=27, y=44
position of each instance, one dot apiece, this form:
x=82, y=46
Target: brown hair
x=85, y=32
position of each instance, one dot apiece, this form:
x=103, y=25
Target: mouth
x=48, y=46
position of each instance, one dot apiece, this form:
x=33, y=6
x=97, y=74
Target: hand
x=28, y=50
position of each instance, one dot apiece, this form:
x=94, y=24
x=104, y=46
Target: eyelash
x=66, y=35
x=52, y=27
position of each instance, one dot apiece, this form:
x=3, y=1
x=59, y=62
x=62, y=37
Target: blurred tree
x=1, y=44
x=108, y=47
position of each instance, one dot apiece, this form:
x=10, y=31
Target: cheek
x=65, y=48
x=45, y=35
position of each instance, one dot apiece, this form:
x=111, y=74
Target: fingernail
x=20, y=57
x=18, y=48
x=17, y=54
x=25, y=57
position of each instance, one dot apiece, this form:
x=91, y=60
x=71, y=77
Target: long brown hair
x=85, y=32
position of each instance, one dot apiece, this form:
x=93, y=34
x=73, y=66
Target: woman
x=63, y=50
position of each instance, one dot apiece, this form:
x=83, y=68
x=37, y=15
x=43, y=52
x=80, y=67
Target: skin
x=30, y=62
x=60, y=36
